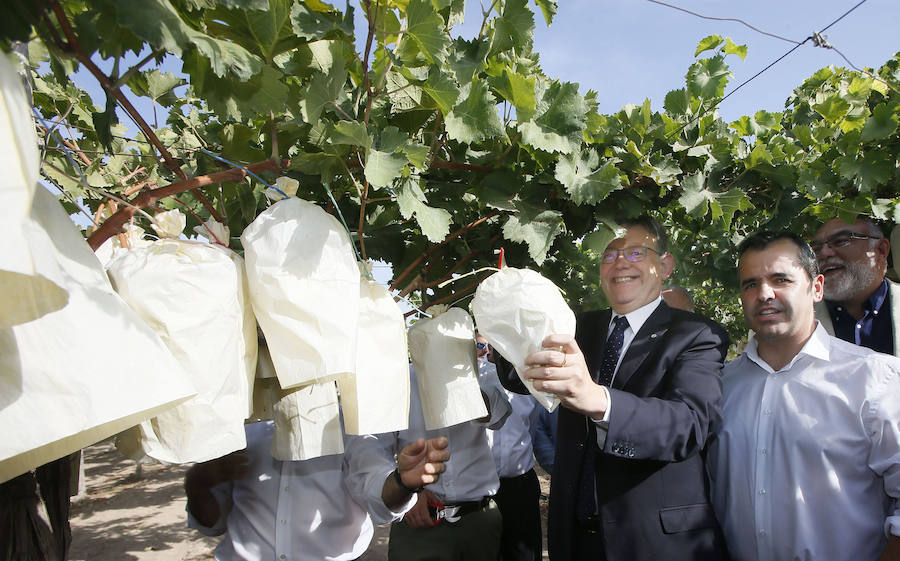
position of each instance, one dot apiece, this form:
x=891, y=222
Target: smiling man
x=806, y=462
x=861, y=306
x=640, y=392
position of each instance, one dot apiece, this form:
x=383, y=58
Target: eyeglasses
x=481, y=346
x=840, y=240
x=631, y=254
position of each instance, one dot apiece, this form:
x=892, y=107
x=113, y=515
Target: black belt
x=452, y=512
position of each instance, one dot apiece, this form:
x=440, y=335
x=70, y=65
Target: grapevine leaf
x=383, y=167
x=467, y=58
x=882, y=123
x=157, y=22
x=442, y=89
x=312, y=24
x=475, y=118
x=351, y=132
x=869, y=172
x=537, y=231
x=434, y=222
x=585, y=180
x=724, y=205
x=548, y=8
x=560, y=119
x=833, y=108
x=695, y=197
x=731, y=49
x=707, y=77
x=518, y=90
x=513, y=28
x=424, y=33
x=708, y=44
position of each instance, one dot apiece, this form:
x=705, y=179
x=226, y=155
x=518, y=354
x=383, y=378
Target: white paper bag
x=515, y=309
x=308, y=423
x=443, y=355
x=304, y=283
x=25, y=294
x=83, y=373
x=266, y=390
x=193, y=295
x=376, y=398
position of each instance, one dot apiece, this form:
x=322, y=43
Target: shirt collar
x=637, y=318
x=818, y=346
x=872, y=303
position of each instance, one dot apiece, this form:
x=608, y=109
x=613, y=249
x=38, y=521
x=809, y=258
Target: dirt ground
x=123, y=517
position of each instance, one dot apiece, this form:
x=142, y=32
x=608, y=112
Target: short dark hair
x=759, y=241
x=653, y=227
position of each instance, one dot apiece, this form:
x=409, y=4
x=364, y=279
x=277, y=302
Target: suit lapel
x=644, y=341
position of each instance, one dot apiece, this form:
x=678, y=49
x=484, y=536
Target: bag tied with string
x=442, y=349
x=82, y=373
x=515, y=309
x=194, y=295
x=304, y=285
x=375, y=399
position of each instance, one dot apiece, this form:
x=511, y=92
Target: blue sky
x=629, y=50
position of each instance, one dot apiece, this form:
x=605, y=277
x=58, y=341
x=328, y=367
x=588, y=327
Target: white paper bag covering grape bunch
x=307, y=423
x=443, y=355
x=376, y=398
x=25, y=294
x=194, y=296
x=515, y=309
x=85, y=372
x=304, y=284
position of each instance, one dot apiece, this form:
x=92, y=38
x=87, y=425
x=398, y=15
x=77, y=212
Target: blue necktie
x=586, y=503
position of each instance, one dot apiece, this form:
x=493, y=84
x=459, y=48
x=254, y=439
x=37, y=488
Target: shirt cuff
x=603, y=424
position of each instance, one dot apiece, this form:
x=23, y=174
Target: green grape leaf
x=706, y=78
x=548, y=8
x=731, y=49
x=537, y=231
x=518, y=90
x=513, y=28
x=882, y=122
x=708, y=43
x=424, y=33
x=382, y=168
x=585, y=179
x=442, y=89
x=475, y=118
x=434, y=222
x=351, y=132
x=833, y=108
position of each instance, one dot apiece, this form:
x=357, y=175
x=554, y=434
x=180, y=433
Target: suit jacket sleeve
x=509, y=378
x=668, y=409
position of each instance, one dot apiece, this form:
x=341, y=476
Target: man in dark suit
x=640, y=396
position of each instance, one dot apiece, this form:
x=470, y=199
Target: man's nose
x=766, y=292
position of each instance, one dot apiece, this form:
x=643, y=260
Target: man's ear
x=818, y=288
x=883, y=249
x=666, y=266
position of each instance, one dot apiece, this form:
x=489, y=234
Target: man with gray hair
x=861, y=306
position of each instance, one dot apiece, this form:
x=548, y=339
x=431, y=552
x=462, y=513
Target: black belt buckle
x=592, y=524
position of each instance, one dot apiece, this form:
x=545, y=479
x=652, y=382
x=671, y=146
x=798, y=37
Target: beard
x=846, y=284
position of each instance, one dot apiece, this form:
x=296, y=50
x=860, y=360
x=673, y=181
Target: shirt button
x=763, y=451
x=762, y=491
x=875, y=312
x=286, y=487
x=768, y=411
x=762, y=532
x=858, y=326
x=284, y=521
x=282, y=556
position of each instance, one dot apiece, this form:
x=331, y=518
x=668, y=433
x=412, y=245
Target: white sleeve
x=881, y=417
x=368, y=462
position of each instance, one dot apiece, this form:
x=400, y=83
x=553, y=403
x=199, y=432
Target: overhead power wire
x=738, y=20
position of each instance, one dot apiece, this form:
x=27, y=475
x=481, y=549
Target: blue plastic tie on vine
x=232, y=164
x=66, y=150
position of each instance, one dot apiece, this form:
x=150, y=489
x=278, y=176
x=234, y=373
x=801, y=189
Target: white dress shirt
x=636, y=319
x=294, y=511
x=511, y=443
x=806, y=462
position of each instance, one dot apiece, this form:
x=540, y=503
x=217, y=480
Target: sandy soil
x=125, y=517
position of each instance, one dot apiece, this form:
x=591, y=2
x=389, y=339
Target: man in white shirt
x=455, y=517
x=519, y=494
x=806, y=463
x=302, y=510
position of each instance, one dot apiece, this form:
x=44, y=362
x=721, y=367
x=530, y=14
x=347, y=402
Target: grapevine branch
x=73, y=47
x=450, y=237
x=114, y=223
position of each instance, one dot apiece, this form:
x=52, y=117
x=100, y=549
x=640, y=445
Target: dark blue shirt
x=874, y=329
